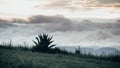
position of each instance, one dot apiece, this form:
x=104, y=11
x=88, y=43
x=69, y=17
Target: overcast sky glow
x=68, y=8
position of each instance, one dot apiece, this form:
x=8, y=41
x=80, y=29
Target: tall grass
x=12, y=58
x=10, y=46
x=57, y=50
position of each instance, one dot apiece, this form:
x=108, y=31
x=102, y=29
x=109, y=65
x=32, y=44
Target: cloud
x=100, y=35
x=6, y=25
x=60, y=3
x=83, y=4
x=99, y=38
x=39, y=19
x=118, y=20
x=109, y=1
x=13, y=20
x=85, y=25
x=52, y=24
x=116, y=32
x=62, y=24
x=70, y=4
x=48, y=19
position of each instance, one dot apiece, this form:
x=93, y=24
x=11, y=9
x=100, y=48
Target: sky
x=68, y=8
x=70, y=22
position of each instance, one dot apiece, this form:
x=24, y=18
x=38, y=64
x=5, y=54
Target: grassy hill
x=15, y=58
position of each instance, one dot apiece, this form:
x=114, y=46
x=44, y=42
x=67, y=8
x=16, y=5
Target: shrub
x=78, y=51
x=43, y=43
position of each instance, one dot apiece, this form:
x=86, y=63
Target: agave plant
x=43, y=43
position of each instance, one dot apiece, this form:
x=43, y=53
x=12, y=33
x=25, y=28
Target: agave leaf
x=50, y=42
x=38, y=40
x=52, y=46
x=35, y=42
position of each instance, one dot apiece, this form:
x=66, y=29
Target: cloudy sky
x=71, y=22
x=68, y=8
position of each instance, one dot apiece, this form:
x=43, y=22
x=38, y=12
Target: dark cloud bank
x=48, y=19
x=60, y=23
x=39, y=19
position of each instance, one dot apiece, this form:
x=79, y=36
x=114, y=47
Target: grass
x=23, y=57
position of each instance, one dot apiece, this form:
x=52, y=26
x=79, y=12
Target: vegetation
x=15, y=58
x=43, y=43
x=77, y=51
x=42, y=55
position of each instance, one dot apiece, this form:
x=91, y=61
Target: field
x=16, y=58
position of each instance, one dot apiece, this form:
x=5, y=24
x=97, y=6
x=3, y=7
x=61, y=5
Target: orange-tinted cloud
x=77, y=4
x=38, y=19
x=13, y=20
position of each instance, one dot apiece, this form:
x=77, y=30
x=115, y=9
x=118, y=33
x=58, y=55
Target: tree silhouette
x=43, y=43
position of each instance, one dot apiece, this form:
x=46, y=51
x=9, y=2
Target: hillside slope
x=27, y=59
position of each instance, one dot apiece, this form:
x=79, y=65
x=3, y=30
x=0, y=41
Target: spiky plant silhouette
x=43, y=43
